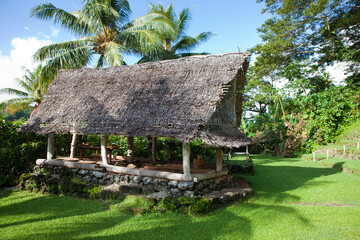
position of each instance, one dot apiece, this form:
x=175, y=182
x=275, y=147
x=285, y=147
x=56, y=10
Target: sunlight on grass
x=272, y=214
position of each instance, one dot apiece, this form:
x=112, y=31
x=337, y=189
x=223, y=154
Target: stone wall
x=154, y=187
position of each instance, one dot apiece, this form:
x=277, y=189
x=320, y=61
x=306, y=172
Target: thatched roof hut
x=187, y=98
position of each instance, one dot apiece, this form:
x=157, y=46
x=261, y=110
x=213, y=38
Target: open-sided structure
x=190, y=98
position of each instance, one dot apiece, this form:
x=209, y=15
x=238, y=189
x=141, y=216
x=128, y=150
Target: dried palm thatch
x=187, y=98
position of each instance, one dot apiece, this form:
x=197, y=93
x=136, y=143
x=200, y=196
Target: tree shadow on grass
x=236, y=222
x=272, y=182
x=40, y=208
x=53, y=217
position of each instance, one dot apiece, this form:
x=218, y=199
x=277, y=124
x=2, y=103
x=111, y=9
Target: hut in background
x=198, y=97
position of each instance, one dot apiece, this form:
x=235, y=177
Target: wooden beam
x=69, y=164
x=147, y=173
x=72, y=147
x=202, y=176
x=51, y=146
x=103, y=142
x=130, y=150
x=132, y=171
x=219, y=160
x=154, y=149
x=186, y=158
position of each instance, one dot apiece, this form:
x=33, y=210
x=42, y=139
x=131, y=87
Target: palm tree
x=175, y=44
x=103, y=30
x=33, y=90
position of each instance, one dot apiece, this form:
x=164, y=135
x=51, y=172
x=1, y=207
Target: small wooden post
x=130, y=150
x=344, y=151
x=103, y=142
x=219, y=159
x=314, y=156
x=186, y=158
x=247, y=149
x=51, y=146
x=358, y=145
x=154, y=140
x=327, y=153
x=72, y=147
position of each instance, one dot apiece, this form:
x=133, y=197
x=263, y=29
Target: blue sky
x=233, y=21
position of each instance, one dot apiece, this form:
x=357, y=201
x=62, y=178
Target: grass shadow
x=272, y=181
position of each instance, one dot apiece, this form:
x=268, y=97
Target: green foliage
x=18, y=150
x=142, y=146
x=94, y=192
x=329, y=111
x=351, y=132
x=134, y=205
x=323, y=30
x=34, y=87
x=185, y=205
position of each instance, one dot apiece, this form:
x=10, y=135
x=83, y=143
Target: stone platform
x=218, y=190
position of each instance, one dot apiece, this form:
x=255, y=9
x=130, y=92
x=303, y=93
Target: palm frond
x=182, y=23
x=58, y=49
x=100, y=62
x=113, y=54
x=12, y=91
x=73, y=58
x=18, y=106
x=48, y=11
x=187, y=43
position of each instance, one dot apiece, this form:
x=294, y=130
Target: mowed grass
x=295, y=199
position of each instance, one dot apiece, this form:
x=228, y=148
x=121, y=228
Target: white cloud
x=337, y=72
x=27, y=28
x=20, y=56
x=54, y=33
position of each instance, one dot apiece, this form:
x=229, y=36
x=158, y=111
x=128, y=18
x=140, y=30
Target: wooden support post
x=219, y=160
x=130, y=150
x=72, y=147
x=51, y=146
x=344, y=151
x=358, y=145
x=247, y=149
x=314, y=156
x=186, y=158
x=103, y=142
x=154, y=140
x=327, y=153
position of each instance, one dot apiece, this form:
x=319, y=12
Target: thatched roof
x=173, y=98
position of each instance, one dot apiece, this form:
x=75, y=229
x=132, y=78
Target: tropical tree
x=322, y=31
x=174, y=44
x=103, y=29
x=33, y=86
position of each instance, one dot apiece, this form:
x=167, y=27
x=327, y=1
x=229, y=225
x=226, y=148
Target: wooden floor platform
x=144, y=163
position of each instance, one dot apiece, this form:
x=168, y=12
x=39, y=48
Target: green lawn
x=290, y=203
